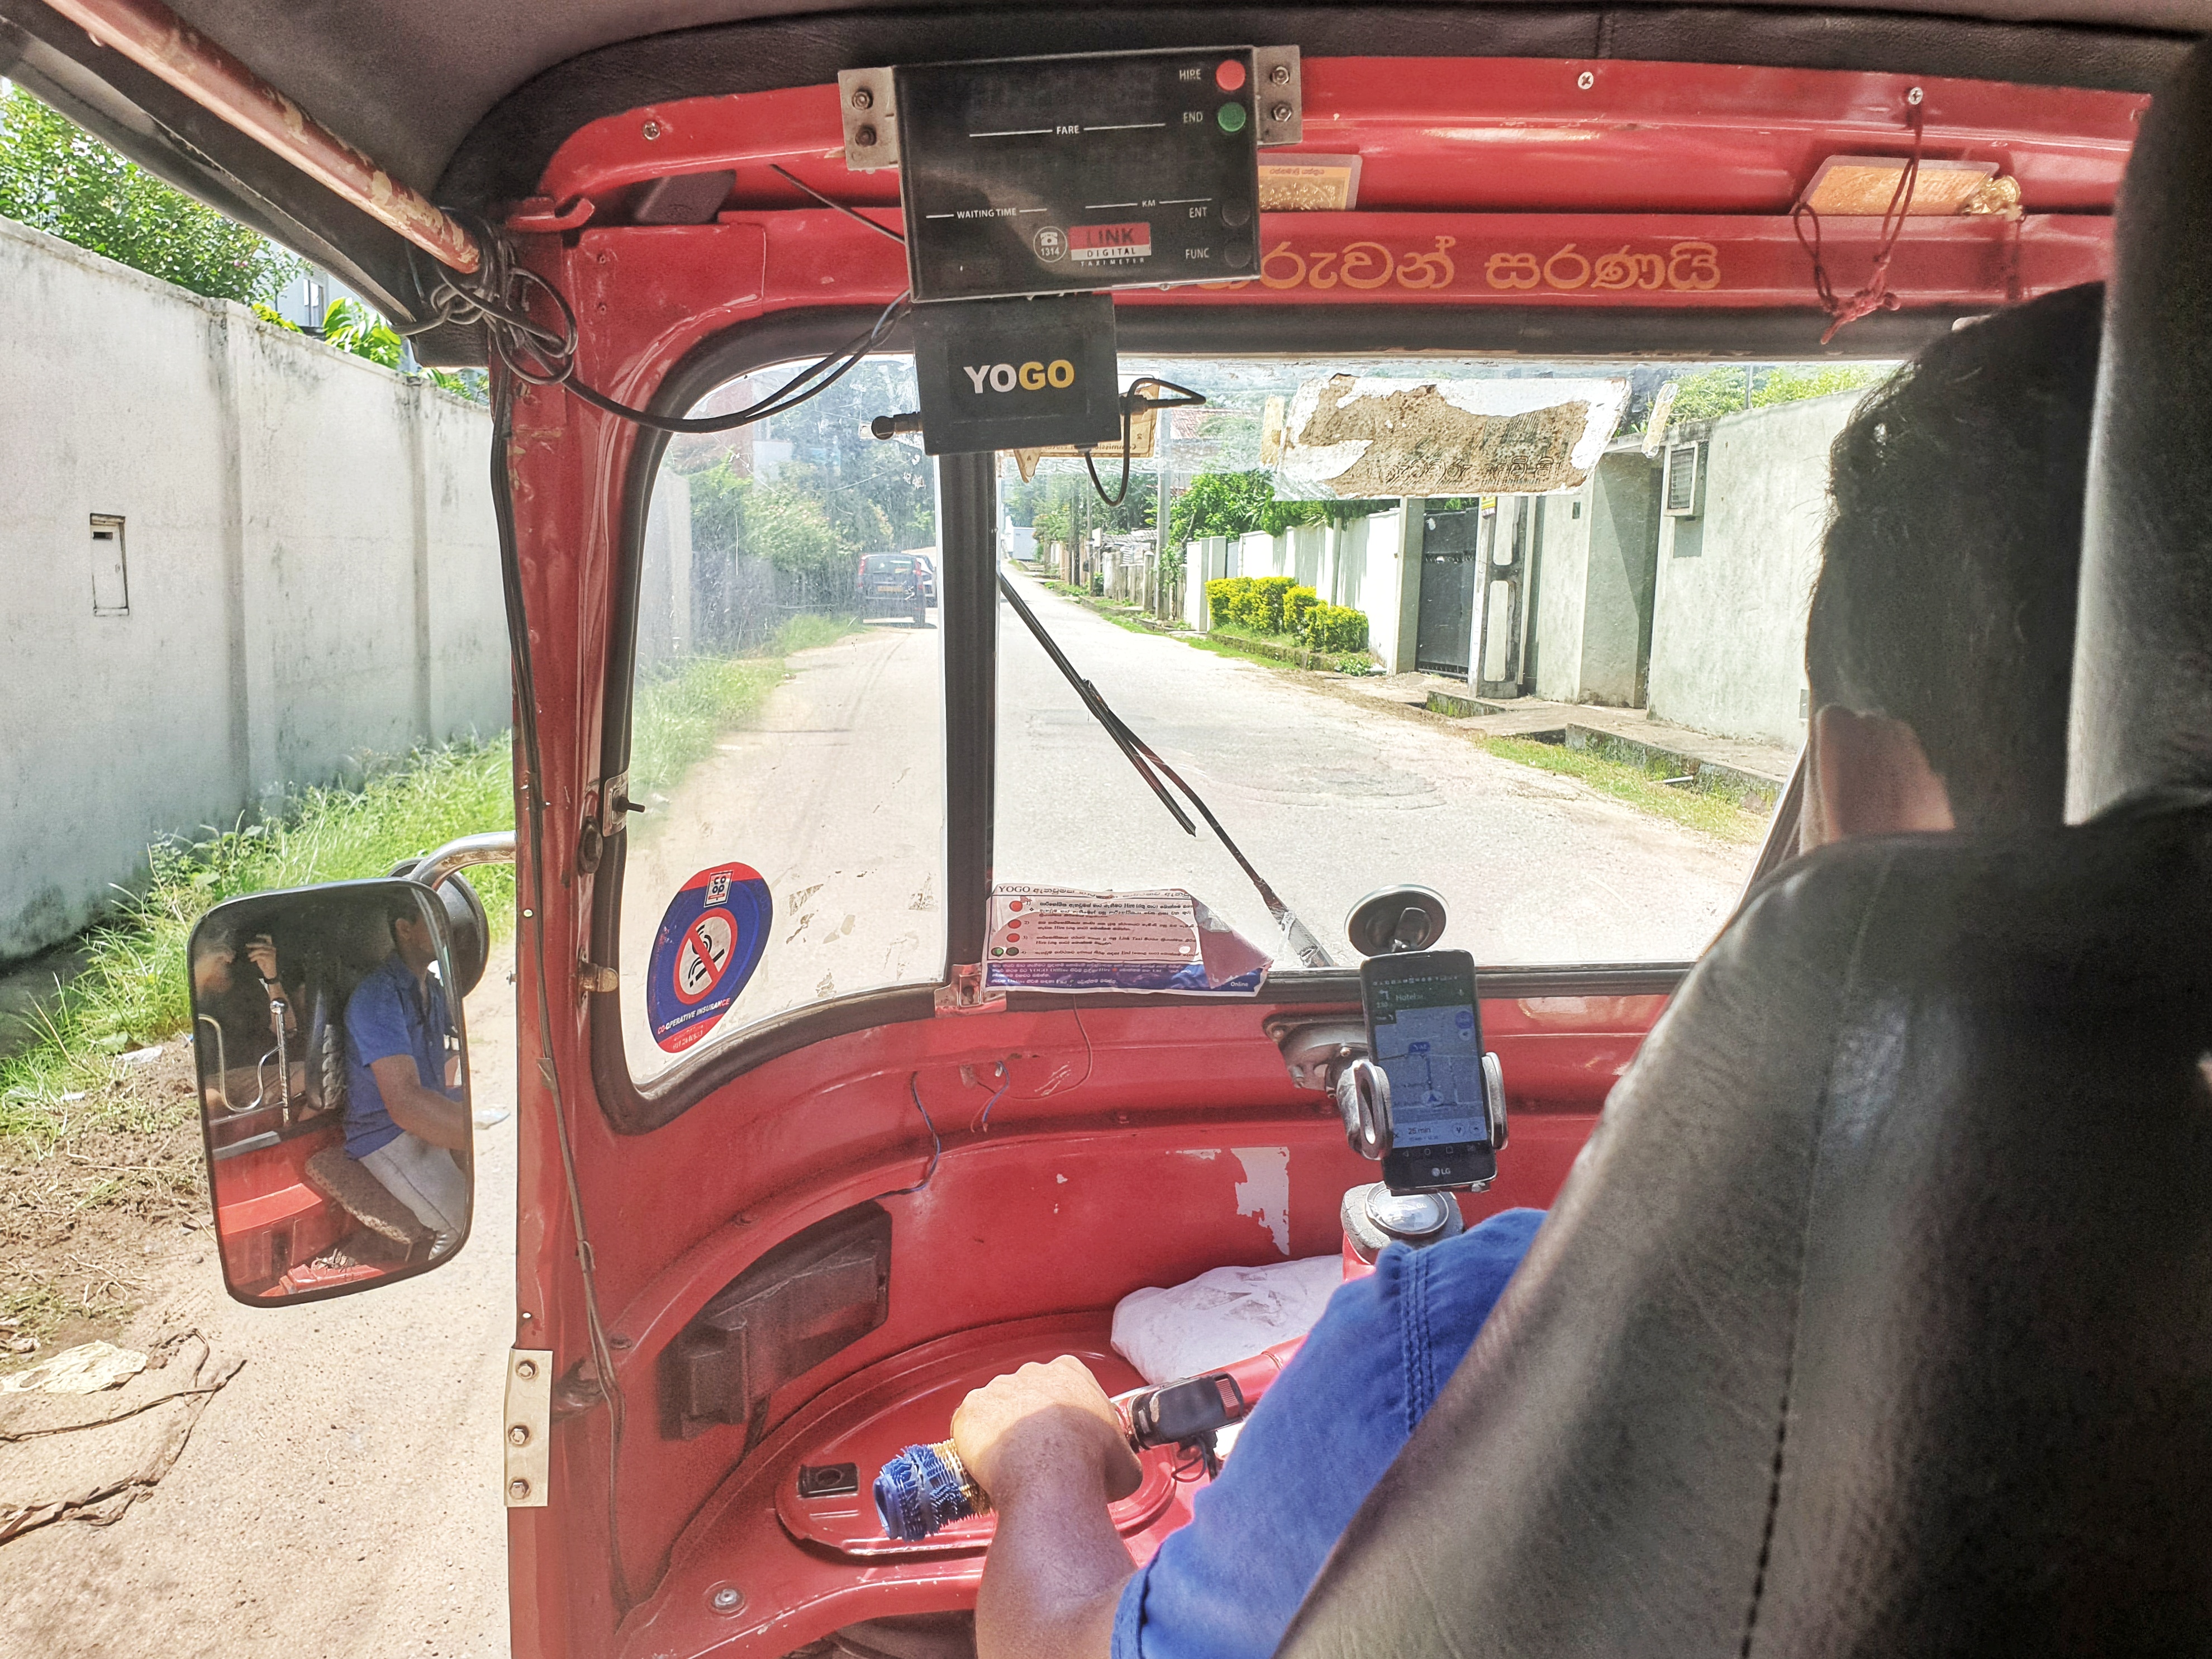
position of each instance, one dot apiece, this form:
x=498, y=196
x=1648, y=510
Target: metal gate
x=1451, y=573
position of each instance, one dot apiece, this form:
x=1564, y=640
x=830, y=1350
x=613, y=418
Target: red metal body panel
x=1138, y=1145
x=1510, y=135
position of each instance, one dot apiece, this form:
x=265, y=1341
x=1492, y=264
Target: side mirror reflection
x=333, y=1082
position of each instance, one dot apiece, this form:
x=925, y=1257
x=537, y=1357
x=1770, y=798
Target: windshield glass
x=1569, y=709
x=787, y=728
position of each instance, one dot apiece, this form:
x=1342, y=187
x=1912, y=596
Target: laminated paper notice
x=1309, y=183
x=1058, y=939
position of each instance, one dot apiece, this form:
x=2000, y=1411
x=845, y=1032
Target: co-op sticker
x=710, y=940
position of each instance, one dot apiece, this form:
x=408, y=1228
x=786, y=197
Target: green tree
x=1220, y=504
x=718, y=506
x=352, y=326
x=1790, y=384
x=1721, y=390
x=1236, y=503
x=785, y=524
x=57, y=178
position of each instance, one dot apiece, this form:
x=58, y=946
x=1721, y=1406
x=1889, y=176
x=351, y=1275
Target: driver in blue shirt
x=1946, y=592
x=405, y=1113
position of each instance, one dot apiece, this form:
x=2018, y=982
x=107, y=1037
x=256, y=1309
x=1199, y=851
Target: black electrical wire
x=850, y=213
x=534, y=804
x=499, y=300
x=1131, y=403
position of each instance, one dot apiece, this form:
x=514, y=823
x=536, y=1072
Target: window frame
x=1554, y=334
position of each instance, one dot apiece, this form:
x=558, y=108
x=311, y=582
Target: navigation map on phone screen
x=1427, y=1043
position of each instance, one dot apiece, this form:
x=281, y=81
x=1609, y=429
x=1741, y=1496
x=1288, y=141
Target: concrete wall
x=1596, y=575
x=1728, y=638
x=664, y=601
x=311, y=559
x=1562, y=608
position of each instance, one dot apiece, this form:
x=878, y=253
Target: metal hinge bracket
x=966, y=993
x=526, y=1429
x=866, y=99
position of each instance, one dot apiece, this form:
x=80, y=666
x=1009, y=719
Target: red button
x=1230, y=75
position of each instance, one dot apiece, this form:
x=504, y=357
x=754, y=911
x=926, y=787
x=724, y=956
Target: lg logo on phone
x=1029, y=377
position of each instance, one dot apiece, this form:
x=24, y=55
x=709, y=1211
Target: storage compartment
x=819, y=1290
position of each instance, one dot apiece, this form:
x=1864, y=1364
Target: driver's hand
x=262, y=953
x=1042, y=1417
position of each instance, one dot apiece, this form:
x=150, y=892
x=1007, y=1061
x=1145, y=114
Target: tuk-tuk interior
x=908, y=1183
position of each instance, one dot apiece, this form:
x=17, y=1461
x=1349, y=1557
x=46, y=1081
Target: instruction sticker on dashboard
x=1060, y=938
x=709, y=941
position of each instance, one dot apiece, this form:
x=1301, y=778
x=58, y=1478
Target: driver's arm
x=423, y=1113
x=1045, y=1442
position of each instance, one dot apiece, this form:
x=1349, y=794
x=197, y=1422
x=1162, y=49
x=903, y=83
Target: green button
x=1231, y=117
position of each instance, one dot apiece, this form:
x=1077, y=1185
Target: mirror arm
x=495, y=847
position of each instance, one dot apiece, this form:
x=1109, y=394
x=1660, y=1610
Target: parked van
x=896, y=584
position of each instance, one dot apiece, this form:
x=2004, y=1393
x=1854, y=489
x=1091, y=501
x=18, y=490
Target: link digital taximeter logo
x=1032, y=376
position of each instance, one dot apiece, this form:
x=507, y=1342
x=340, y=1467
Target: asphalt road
x=1330, y=799
x=835, y=798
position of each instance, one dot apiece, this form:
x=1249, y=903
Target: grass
x=134, y=989
x=676, y=717
x=100, y=1157
x=1716, y=813
x=1342, y=662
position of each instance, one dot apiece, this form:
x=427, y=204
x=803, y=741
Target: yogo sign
x=1032, y=376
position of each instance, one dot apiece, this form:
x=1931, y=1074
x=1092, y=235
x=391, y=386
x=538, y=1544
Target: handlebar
x=927, y=1488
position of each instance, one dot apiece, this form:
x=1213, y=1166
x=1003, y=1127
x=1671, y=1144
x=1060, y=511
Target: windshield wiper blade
x=1151, y=767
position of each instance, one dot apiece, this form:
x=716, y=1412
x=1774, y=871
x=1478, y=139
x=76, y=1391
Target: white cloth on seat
x=1223, y=1315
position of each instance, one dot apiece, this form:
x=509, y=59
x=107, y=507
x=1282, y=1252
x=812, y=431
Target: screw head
x=863, y=99
x=517, y=1490
x=1280, y=112
x=1279, y=76
x=526, y=1369
x=519, y=1434
x=725, y=1598
x=865, y=137
x=652, y=130
x=1914, y=96
x=1585, y=80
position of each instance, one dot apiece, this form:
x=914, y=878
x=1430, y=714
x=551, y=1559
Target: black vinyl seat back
x=1876, y=1317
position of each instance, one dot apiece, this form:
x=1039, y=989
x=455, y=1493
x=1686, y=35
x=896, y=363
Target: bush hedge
x=1277, y=604
x=1336, y=628
x=1253, y=602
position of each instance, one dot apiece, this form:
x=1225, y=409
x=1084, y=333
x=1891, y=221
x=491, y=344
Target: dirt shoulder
x=340, y=1495
x=85, y=1216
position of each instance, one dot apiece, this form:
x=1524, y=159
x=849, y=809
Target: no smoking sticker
x=709, y=941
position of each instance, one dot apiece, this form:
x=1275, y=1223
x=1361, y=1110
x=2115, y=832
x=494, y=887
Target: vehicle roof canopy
x=467, y=104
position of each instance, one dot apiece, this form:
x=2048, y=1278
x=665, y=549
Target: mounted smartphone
x=1425, y=1031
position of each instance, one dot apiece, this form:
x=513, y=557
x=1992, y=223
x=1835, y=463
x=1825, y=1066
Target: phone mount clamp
x=1390, y=922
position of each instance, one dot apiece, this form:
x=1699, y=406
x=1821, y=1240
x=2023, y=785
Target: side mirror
x=333, y=1082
